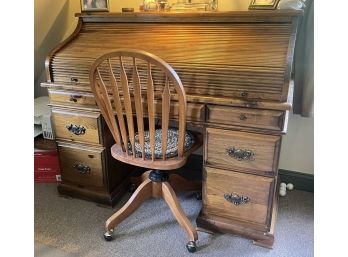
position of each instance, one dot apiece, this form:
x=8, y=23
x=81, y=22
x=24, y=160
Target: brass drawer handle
x=81, y=168
x=77, y=130
x=73, y=98
x=242, y=116
x=239, y=154
x=237, y=199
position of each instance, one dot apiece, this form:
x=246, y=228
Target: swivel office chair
x=142, y=86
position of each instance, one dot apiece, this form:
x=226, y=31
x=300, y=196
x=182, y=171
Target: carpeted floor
x=72, y=227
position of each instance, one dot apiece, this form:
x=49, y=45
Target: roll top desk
x=236, y=70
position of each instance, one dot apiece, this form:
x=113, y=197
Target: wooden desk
x=236, y=70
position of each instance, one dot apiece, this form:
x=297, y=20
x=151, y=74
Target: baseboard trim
x=301, y=181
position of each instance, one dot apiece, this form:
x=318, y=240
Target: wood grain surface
x=70, y=156
x=63, y=118
x=264, y=147
x=243, y=60
x=259, y=189
x=71, y=97
x=265, y=119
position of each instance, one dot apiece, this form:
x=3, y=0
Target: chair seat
x=193, y=141
x=172, y=144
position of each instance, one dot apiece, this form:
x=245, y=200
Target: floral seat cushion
x=172, y=144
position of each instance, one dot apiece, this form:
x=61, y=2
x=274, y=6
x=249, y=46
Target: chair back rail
x=109, y=74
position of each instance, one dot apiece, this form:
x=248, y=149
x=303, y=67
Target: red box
x=46, y=166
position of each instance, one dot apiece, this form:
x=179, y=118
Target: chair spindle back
x=109, y=74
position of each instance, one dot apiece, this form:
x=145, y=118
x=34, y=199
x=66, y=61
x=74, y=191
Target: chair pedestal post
x=175, y=180
x=158, y=176
x=156, y=186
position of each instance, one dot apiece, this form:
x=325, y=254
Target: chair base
x=157, y=186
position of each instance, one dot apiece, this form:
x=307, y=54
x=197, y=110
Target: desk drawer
x=194, y=111
x=264, y=119
x=81, y=165
x=252, y=153
x=71, y=97
x=77, y=126
x=238, y=196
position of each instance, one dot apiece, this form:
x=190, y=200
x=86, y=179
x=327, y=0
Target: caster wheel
x=199, y=195
x=108, y=235
x=191, y=246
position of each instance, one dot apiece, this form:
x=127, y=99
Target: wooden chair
x=142, y=86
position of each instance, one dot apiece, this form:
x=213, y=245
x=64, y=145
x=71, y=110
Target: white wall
x=53, y=21
x=297, y=151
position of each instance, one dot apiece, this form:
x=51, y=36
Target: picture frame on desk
x=94, y=5
x=263, y=4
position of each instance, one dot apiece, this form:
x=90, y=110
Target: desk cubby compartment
x=241, y=151
x=241, y=197
x=81, y=165
x=77, y=126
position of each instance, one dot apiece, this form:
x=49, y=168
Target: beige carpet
x=73, y=227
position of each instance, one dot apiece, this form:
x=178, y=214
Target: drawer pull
x=243, y=117
x=244, y=94
x=239, y=154
x=73, y=98
x=81, y=168
x=74, y=79
x=77, y=130
x=236, y=199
